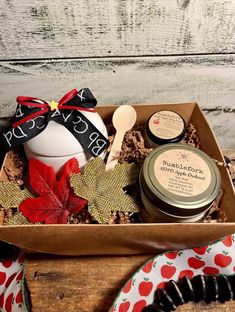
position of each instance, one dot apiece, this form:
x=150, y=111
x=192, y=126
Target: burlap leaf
x=17, y=219
x=11, y=195
x=104, y=189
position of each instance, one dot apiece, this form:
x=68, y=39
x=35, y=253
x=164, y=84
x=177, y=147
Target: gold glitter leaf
x=104, y=189
x=11, y=195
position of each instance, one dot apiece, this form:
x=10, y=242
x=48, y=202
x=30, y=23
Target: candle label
x=182, y=172
x=166, y=125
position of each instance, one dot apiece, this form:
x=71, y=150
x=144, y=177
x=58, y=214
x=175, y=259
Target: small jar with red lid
x=165, y=127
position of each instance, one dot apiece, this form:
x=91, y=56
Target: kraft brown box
x=98, y=239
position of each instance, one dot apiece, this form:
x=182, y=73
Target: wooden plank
x=88, y=284
x=209, y=80
x=88, y=28
x=78, y=284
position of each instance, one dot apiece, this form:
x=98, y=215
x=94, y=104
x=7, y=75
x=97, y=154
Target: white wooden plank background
x=67, y=28
x=209, y=80
x=125, y=51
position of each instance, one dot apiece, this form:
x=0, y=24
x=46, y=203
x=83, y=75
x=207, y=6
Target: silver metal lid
x=183, y=178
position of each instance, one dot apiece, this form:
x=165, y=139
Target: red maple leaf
x=57, y=199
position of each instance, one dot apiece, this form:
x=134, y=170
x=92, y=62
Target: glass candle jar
x=178, y=184
x=165, y=127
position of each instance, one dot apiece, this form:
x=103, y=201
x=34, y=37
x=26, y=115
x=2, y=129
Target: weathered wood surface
x=88, y=284
x=88, y=28
x=78, y=284
x=209, y=80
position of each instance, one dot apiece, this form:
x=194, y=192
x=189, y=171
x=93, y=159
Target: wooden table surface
x=78, y=284
x=86, y=284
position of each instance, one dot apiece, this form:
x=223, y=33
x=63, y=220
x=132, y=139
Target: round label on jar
x=182, y=172
x=166, y=125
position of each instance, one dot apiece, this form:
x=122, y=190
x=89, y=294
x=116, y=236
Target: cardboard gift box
x=103, y=239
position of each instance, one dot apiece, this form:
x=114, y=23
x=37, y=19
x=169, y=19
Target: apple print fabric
x=11, y=276
x=216, y=258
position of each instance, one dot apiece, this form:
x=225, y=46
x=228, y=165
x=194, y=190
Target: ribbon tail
x=15, y=136
x=78, y=100
x=91, y=139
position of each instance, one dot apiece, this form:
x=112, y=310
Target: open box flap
x=112, y=239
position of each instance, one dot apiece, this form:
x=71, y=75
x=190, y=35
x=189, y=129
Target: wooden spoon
x=124, y=119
